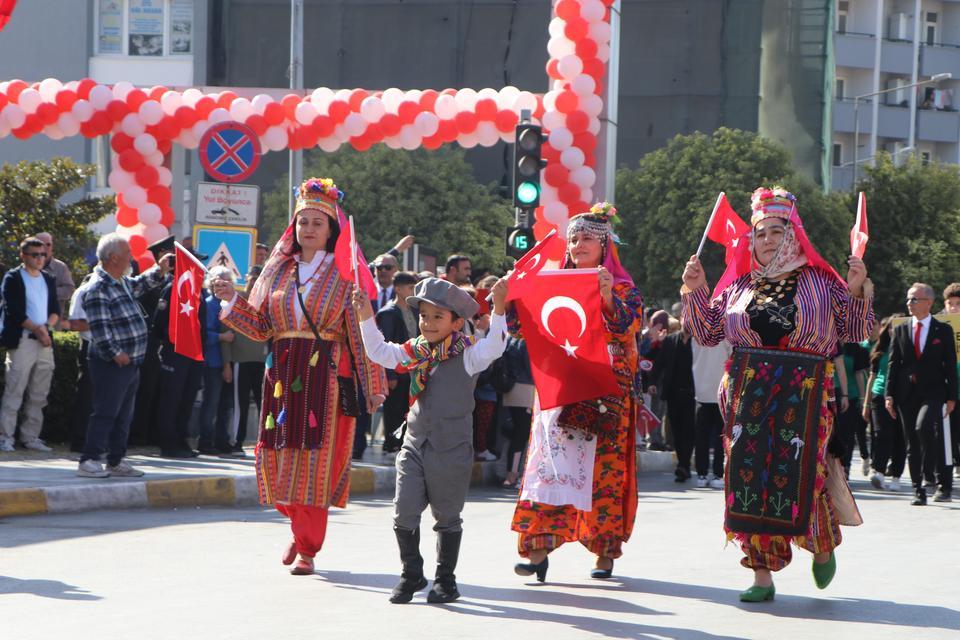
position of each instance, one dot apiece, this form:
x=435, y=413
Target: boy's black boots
x=445, y=583
x=412, y=579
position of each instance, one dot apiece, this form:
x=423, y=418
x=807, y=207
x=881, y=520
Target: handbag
x=599, y=416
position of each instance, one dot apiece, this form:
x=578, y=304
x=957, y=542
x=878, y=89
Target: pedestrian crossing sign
x=231, y=247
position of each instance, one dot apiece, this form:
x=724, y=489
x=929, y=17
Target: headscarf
x=597, y=223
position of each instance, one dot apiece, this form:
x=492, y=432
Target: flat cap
x=446, y=296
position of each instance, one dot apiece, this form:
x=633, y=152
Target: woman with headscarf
x=785, y=311
x=301, y=302
x=578, y=487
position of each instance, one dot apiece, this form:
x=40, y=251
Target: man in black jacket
x=30, y=309
x=673, y=373
x=921, y=381
x=398, y=323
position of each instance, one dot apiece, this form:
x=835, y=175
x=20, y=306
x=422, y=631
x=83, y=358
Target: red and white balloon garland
x=143, y=124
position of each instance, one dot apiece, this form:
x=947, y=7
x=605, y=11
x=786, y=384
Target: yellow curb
x=191, y=492
x=362, y=481
x=476, y=475
x=22, y=502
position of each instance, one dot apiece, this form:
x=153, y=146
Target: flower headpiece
x=320, y=194
x=773, y=202
x=598, y=222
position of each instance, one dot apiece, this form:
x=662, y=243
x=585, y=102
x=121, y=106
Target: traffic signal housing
x=527, y=164
x=519, y=241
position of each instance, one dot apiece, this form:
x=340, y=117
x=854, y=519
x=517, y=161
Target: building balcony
x=940, y=59
x=938, y=126
x=856, y=50
x=841, y=178
x=894, y=121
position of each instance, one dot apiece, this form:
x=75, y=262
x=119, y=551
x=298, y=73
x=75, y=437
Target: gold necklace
x=302, y=287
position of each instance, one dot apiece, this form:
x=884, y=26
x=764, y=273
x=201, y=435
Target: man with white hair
x=118, y=342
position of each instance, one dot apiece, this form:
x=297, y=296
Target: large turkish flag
x=562, y=321
x=185, y=301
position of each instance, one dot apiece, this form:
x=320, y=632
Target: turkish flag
x=185, y=301
x=347, y=261
x=859, y=235
x=727, y=228
x=563, y=327
x=520, y=281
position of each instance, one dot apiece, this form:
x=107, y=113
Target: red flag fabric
x=343, y=258
x=6, y=10
x=647, y=421
x=859, y=235
x=521, y=280
x=563, y=328
x=185, y=301
x=727, y=228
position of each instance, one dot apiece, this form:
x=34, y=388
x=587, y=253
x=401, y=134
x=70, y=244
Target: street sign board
x=229, y=151
x=231, y=247
x=228, y=204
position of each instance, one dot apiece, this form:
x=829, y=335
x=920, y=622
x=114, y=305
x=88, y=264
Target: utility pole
x=605, y=188
x=296, y=83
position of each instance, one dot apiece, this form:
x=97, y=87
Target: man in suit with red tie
x=921, y=381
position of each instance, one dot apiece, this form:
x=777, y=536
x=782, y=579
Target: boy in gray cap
x=436, y=461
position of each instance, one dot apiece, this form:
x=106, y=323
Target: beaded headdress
x=596, y=223
x=320, y=194
x=772, y=202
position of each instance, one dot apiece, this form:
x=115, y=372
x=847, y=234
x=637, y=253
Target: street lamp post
x=937, y=77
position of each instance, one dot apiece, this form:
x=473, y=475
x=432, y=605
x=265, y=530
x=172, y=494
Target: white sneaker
x=702, y=482
x=7, y=446
x=877, y=480
x=37, y=445
x=894, y=484
x=716, y=483
x=92, y=469
x=866, y=466
x=486, y=456
x=124, y=470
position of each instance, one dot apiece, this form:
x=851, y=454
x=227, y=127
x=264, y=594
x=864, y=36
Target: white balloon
x=135, y=196
x=487, y=94
x=100, y=97
x=321, y=96
x=69, y=124
x=592, y=10
x=571, y=158
x=149, y=214
x=170, y=101
x=603, y=52
x=560, y=46
x=392, y=98
x=132, y=125
x=145, y=144
x=241, y=109
x=150, y=111
x=49, y=89
x=468, y=140
x=525, y=100
x=129, y=232
x=426, y=123
x=466, y=99
x=554, y=120
x=191, y=96
x=570, y=66
x=556, y=26
x=507, y=97
x=29, y=100
x=13, y=115
x=200, y=128
x=155, y=233
x=409, y=138
x=586, y=194
x=187, y=141
x=154, y=159
x=550, y=101
x=372, y=109
x=276, y=138
x=413, y=95
x=591, y=105
x=260, y=102
x=487, y=134
x=342, y=94
x=599, y=32
x=584, y=177
x=445, y=107
x=594, y=126
x=166, y=176
x=119, y=180
x=329, y=144
x=554, y=212
x=583, y=85
x=81, y=110
x=354, y=125
x=548, y=193
x=393, y=142
x=560, y=138
x=219, y=115
x=305, y=113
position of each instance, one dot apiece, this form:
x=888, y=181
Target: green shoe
x=758, y=594
x=823, y=572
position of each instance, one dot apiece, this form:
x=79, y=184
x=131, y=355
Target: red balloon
x=568, y=10
x=338, y=110
x=138, y=244
x=65, y=99
x=258, y=123
x=449, y=92
x=550, y=154
x=428, y=99
x=541, y=228
x=145, y=260
x=157, y=91
x=163, y=146
x=567, y=101
x=130, y=160
x=14, y=89
x=466, y=122
x=590, y=161
x=225, y=99
x=431, y=143
x=323, y=126
x=120, y=202
x=506, y=121
x=556, y=175
x=289, y=104
x=147, y=176
x=101, y=123
x=23, y=133
x=577, y=121
x=579, y=206
x=126, y=217
x=586, y=142
x=166, y=216
x=48, y=113
x=538, y=112
x=553, y=70
x=273, y=114
x=389, y=125
x=576, y=29
x=168, y=128
x=568, y=193
x=117, y=109
x=120, y=142
x=204, y=107
x=447, y=130
x=357, y=96
x=83, y=88
x=3, y=100
x=586, y=49
x=360, y=143
x=158, y=194
x=594, y=68
x=408, y=111
x=185, y=116
x=486, y=109
x=136, y=98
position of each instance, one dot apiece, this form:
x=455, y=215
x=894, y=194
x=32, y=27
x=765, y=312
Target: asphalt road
x=215, y=573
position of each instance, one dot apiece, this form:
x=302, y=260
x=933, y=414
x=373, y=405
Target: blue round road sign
x=230, y=151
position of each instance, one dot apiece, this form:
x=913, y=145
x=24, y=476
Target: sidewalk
x=32, y=483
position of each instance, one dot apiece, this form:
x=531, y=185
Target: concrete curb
x=226, y=491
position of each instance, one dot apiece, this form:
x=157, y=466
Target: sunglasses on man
x=35, y=255
x=915, y=300
x=385, y=267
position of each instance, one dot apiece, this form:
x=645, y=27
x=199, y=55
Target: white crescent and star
x=187, y=276
x=564, y=302
x=534, y=261
x=733, y=233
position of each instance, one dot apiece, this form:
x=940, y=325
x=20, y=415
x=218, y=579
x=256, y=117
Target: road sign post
x=231, y=247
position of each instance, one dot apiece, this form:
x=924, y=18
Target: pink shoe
x=290, y=554
x=304, y=567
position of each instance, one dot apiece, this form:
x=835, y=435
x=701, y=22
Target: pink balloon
x=166, y=176
x=426, y=124
x=584, y=177
x=572, y=158
x=570, y=66
x=82, y=110
x=583, y=85
x=154, y=159
x=29, y=100
x=132, y=125
x=149, y=214
x=14, y=116
x=560, y=138
x=150, y=112
x=68, y=124
x=135, y=196
x=120, y=180
x=145, y=144
x=100, y=97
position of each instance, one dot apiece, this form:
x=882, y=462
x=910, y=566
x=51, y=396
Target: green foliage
x=390, y=193
x=666, y=201
x=30, y=203
x=914, y=213
x=63, y=388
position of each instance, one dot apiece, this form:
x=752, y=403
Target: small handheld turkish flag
x=859, y=235
x=726, y=227
x=185, y=301
x=562, y=322
x=349, y=259
x=520, y=280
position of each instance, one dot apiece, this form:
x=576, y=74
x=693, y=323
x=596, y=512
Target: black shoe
x=921, y=498
x=943, y=496
x=209, y=451
x=602, y=574
x=445, y=582
x=528, y=569
x=681, y=475
x=178, y=454
x=412, y=578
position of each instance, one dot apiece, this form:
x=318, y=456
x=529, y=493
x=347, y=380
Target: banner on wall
x=146, y=28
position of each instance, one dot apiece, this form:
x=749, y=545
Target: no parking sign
x=230, y=151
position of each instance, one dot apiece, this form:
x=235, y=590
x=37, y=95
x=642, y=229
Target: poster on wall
x=110, y=36
x=146, y=28
x=181, y=27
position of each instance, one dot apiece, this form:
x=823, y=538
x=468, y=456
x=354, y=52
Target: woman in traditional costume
x=579, y=486
x=785, y=311
x=301, y=302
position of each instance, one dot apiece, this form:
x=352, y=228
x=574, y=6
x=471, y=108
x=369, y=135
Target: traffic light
x=519, y=241
x=527, y=164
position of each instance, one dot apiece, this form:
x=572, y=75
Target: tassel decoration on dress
x=296, y=386
x=314, y=358
x=278, y=390
x=313, y=421
x=282, y=418
x=269, y=424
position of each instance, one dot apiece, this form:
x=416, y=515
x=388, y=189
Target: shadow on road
x=44, y=589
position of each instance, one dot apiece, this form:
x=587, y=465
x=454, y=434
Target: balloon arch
x=144, y=124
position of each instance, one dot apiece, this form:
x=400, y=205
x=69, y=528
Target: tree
x=666, y=201
x=390, y=193
x=30, y=203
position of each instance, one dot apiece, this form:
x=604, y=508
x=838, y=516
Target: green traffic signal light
x=527, y=193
